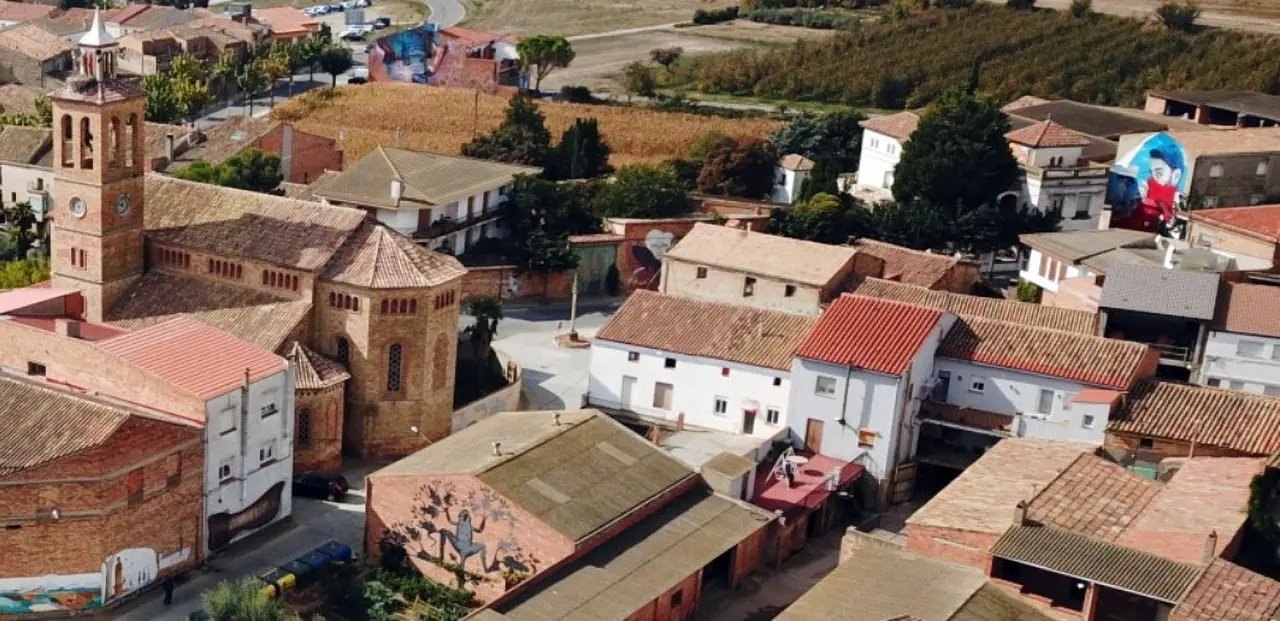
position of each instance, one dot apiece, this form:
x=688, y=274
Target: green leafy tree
x=637, y=79
x=312, y=48
x=958, y=158
x=193, y=95
x=23, y=272
x=666, y=56
x=44, y=111
x=914, y=225
x=581, y=154
x=521, y=138
x=825, y=218
x=1178, y=15
x=835, y=137
x=243, y=601
x=251, y=169
x=223, y=73
x=1028, y=291
x=644, y=191
x=21, y=232
x=164, y=102
x=542, y=54
x=275, y=68
x=252, y=80
x=736, y=167
x=188, y=67
x=335, y=60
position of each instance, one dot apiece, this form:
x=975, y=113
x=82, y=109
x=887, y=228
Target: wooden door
x=813, y=435
x=748, y=422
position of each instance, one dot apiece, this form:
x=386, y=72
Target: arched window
x=440, y=363
x=342, y=351
x=333, y=299
x=304, y=428
x=114, y=145
x=86, y=144
x=131, y=139
x=395, y=360
x=413, y=307
x=68, y=157
x=386, y=304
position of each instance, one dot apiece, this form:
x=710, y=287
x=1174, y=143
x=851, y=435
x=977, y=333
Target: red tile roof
x=1229, y=592
x=1248, y=309
x=1097, y=395
x=39, y=424
x=1259, y=221
x=795, y=161
x=476, y=37
x=1108, y=363
x=899, y=126
x=1229, y=419
x=1066, y=319
x=1046, y=133
x=870, y=333
x=913, y=267
x=312, y=371
x=194, y=356
x=1093, y=497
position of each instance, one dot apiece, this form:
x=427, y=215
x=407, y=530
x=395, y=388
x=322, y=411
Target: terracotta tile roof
x=429, y=179
x=477, y=36
x=1102, y=362
x=913, y=267
x=1065, y=319
x=1025, y=101
x=24, y=145
x=376, y=257
x=1093, y=497
x=771, y=256
x=33, y=42
x=1076, y=555
x=225, y=139
x=312, y=371
x=39, y=424
x=706, y=329
x=286, y=20
x=1229, y=592
x=1260, y=221
x=194, y=356
x=19, y=98
x=796, y=162
x=22, y=11
x=1047, y=134
x=983, y=497
x=1228, y=141
x=157, y=138
x=899, y=126
x=1248, y=309
x=1097, y=395
x=255, y=316
x=1228, y=419
x=231, y=222
x=870, y=333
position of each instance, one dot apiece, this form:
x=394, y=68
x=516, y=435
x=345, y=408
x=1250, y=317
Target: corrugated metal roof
x=429, y=179
x=1108, y=363
x=1076, y=246
x=772, y=256
x=1065, y=319
x=39, y=424
x=1081, y=557
x=870, y=333
x=194, y=356
x=1160, y=291
x=716, y=330
x=1229, y=419
x=644, y=562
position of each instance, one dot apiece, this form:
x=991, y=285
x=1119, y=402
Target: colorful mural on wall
x=403, y=57
x=53, y=593
x=647, y=258
x=1146, y=184
x=129, y=570
x=423, y=55
x=225, y=527
x=445, y=531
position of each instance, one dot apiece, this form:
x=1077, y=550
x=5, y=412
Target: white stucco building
x=1055, y=175
x=1242, y=351
x=883, y=139
x=446, y=203
x=789, y=178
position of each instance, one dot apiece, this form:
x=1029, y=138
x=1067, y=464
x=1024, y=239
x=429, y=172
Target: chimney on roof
x=1210, y=548
x=168, y=147
x=1020, y=513
x=497, y=449
x=680, y=422
x=66, y=327
x=555, y=419
x=397, y=189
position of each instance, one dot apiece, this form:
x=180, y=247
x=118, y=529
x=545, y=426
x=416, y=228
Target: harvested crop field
x=440, y=120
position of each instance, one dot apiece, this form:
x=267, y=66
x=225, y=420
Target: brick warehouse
x=91, y=516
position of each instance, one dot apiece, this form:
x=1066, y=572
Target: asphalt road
x=446, y=13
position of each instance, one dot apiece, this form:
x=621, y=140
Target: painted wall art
x=646, y=272
x=1146, y=184
x=129, y=570
x=226, y=527
x=53, y=593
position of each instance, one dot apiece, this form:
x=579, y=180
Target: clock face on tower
x=122, y=205
x=78, y=208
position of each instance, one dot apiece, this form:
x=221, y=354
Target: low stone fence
x=504, y=399
x=506, y=283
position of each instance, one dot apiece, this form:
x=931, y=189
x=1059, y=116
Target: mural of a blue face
x=404, y=55
x=1146, y=183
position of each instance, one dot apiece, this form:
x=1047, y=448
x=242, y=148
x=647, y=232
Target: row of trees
x=910, y=62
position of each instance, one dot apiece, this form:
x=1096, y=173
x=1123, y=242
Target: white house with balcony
x=697, y=364
x=444, y=202
x=1242, y=351
x=883, y=139
x=247, y=414
x=1055, y=176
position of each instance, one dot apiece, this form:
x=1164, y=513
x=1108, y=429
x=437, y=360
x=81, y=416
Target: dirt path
x=1259, y=16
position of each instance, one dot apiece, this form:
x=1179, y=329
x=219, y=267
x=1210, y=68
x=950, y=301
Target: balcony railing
x=1081, y=172
x=1177, y=353
x=447, y=225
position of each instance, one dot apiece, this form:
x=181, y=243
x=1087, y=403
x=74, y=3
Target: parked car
x=381, y=22
x=352, y=33
x=316, y=11
x=357, y=80
x=324, y=486
x=337, y=6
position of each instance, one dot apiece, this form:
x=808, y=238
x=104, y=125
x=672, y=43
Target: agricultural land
x=574, y=17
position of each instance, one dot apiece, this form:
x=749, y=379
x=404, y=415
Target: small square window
x=789, y=291
x=633, y=356
x=702, y=272
x=267, y=453
x=722, y=405
x=978, y=386
x=269, y=409
x=825, y=386
x=35, y=368
x=677, y=599
x=1146, y=443
x=1215, y=171
x=1249, y=349
x=777, y=381
x=1215, y=382
x=669, y=363
x=748, y=287
x=225, y=470
x=724, y=371
x=772, y=416
x=1087, y=421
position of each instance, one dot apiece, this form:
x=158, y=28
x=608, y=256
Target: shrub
x=715, y=16
x=1178, y=16
x=1021, y=5
x=576, y=94
x=805, y=18
x=1028, y=292
x=1081, y=8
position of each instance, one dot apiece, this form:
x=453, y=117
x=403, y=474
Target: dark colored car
x=357, y=80
x=381, y=22
x=324, y=486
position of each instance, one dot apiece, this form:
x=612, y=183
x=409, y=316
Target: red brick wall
x=505, y=282
x=957, y=546
x=312, y=154
x=1168, y=448
x=323, y=452
x=632, y=273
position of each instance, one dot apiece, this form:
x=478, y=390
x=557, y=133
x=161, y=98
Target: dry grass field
x=574, y=17
x=440, y=120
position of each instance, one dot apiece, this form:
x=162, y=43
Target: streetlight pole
x=573, y=309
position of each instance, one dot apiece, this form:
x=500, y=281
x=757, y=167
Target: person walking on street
x=167, y=585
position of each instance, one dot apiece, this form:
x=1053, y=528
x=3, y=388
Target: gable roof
x=1259, y=222
x=33, y=42
x=795, y=161
x=1037, y=315
x=899, y=126
x=716, y=330
x=771, y=256
x=1236, y=140
x=376, y=257
x=194, y=356
x=231, y=222
x=312, y=371
x=22, y=11
x=1229, y=419
x=24, y=145
x=224, y=140
x=285, y=20
x=1094, y=120
x=913, y=267
x=429, y=179
x=1247, y=308
x=1093, y=497
x=870, y=333
x=39, y=424
x=575, y=477
x=1046, y=134
x=1077, y=246
x=1104, y=362
x=1228, y=592
x=1160, y=291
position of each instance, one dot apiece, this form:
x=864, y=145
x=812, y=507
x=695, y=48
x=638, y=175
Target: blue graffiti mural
x=1146, y=184
x=404, y=56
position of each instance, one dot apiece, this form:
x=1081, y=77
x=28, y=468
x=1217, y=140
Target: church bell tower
x=97, y=193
